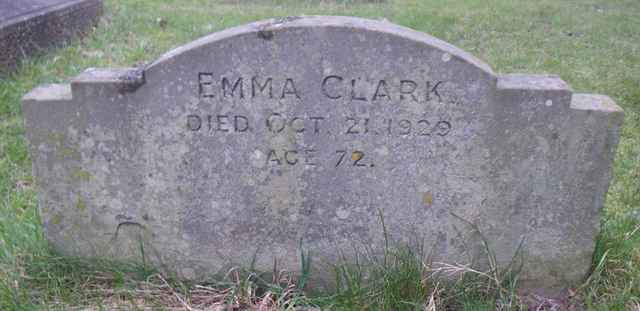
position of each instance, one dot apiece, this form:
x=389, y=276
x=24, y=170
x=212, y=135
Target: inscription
x=333, y=87
x=336, y=87
x=218, y=123
x=277, y=123
x=292, y=157
x=342, y=158
x=403, y=127
x=209, y=87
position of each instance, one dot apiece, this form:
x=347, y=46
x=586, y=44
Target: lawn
x=593, y=45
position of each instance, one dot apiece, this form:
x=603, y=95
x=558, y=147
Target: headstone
x=303, y=133
x=29, y=27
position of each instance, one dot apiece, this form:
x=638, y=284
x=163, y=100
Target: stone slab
x=255, y=142
x=29, y=27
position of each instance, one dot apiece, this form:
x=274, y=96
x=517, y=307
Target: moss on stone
x=81, y=205
x=56, y=220
x=80, y=175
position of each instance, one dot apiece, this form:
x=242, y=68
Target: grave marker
x=299, y=132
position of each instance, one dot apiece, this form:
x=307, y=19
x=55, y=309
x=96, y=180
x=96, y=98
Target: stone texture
x=29, y=27
x=257, y=141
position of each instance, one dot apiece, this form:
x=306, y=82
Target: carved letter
x=433, y=90
x=324, y=84
x=194, y=122
x=271, y=120
x=240, y=123
x=205, y=84
x=226, y=84
x=256, y=84
x=316, y=127
x=381, y=91
x=408, y=90
x=288, y=160
x=222, y=120
x=273, y=157
x=298, y=129
x=289, y=88
x=310, y=157
x=353, y=91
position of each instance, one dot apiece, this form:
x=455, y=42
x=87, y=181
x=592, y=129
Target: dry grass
x=240, y=291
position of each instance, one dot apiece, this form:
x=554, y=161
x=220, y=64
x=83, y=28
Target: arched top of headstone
x=288, y=35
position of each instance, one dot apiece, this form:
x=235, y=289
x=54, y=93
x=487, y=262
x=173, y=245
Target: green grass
x=593, y=45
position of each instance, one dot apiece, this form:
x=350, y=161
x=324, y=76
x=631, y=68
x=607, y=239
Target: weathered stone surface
x=29, y=27
x=257, y=140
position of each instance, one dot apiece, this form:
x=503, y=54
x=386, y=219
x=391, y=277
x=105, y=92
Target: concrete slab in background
x=29, y=27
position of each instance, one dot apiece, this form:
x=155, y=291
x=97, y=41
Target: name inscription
x=332, y=87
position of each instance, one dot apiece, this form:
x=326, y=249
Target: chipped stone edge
x=49, y=92
x=533, y=82
x=595, y=102
x=544, y=87
x=125, y=80
x=122, y=80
